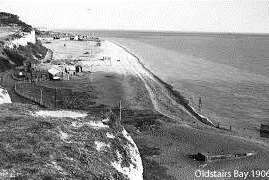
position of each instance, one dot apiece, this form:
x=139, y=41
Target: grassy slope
x=83, y=93
x=4, y=64
x=33, y=147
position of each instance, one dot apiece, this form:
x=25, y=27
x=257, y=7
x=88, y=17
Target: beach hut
x=78, y=68
x=209, y=157
x=56, y=37
x=76, y=38
x=70, y=70
x=72, y=37
x=55, y=73
x=27, y=66
x=264, y=130
x=105, y=58
x=201, y=156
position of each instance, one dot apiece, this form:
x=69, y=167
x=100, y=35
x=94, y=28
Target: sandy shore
x=124, y=63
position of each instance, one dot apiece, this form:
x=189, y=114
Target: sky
x=241, y=16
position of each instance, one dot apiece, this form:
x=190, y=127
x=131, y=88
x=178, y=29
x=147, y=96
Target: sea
x=228, y=72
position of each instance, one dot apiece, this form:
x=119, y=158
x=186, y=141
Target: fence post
x=55, y=92
x=120, y=112
x=41, y=96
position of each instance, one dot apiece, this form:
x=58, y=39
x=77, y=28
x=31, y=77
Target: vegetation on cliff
x=8, y=19
x=11, y=57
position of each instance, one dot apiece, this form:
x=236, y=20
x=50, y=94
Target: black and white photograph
x=134, y=89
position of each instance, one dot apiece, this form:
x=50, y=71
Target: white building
x=55, y=73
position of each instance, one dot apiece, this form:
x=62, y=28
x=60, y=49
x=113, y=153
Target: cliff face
x=17, y=42
x=22, y=41
x=4, y=96
x=11, y=57
x=38, y=143
x=8, y=19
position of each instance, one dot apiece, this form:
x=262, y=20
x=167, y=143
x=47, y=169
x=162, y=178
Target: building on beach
x=63, y=72
x=264, y=130
x=74, y=38
x=78, y=68
x=81, y=37
x=209, y=157
x=56, y=37
x=106, y=60
x=70, y=70
x=55, y=73
x=98, y=44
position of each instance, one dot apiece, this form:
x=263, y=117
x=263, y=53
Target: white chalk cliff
x=22, y=41
x=4, y=96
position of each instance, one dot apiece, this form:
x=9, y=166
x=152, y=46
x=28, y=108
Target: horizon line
x=162, y=31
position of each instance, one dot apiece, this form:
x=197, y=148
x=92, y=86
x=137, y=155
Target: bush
x=4, y=64
x=15, y=56
x=23, y=53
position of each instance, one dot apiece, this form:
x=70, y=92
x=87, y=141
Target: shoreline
x=201, y=118
x=182, y=100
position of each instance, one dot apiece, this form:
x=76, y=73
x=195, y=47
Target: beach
x=125, y=64
x=174, y=134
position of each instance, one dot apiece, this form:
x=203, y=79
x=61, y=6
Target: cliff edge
x=18, y=42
